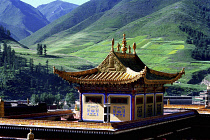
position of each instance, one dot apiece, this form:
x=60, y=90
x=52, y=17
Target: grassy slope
x=160, y=44
x=100, y=26
x=175, y=56
x=105, y=15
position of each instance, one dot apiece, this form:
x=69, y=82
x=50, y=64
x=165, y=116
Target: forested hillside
x=20, y=78
x=197, y=36
x=4, y=33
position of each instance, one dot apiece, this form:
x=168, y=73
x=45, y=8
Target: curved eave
x=68, y=76
x=91, y=71
x=163, y=73
x=171, y=81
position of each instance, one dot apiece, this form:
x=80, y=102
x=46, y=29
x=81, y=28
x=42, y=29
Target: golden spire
x=112, y=49
x=124, y=43
x=134, y=48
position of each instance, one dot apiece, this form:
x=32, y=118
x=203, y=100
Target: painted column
x=133, y=104
x=1, y=108
x=80, y=106
x=106, y=99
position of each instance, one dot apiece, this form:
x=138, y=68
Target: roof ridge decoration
x=112, y=49
x=118, y=47
x=134, y=48
x=124, y=44
x=111, y=63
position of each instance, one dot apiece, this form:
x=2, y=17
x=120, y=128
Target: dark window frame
x=159, y=99
x=149, y=99
x=119, y=100
x=139, y=100
x=93, y=99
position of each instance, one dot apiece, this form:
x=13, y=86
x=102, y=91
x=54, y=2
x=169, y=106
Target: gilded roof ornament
x=53, y=69
x=124, y=43
x=112, y=49
x=134, y=48
x=183, y=71
x=129, y=48
x=118, y=47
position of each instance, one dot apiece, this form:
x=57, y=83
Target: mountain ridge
x=69, y=20
x=120, y=14
x=56, y=9
x=15, y=13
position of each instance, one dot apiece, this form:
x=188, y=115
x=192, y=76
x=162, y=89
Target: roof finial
x=183, y=71
x=129, y=48
x=53, y=69
x=134, y=48
x=118, y=47
x=112, y=44
x=124, y=43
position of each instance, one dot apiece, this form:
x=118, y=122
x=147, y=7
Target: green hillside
x=156, y=53
x=160, y=42
x=78, y=15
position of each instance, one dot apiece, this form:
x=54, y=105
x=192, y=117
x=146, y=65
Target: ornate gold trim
x=66, y=76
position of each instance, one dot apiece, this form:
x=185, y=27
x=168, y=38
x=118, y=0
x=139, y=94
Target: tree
x=39, y=49
x=13, y=56
x=5, y=63
x=4, y=54
x=45, y=49
x=31, y=64
x=35, y=99
x=8, y=33
x=57, y=99
x=70, y=98
x=47, y=65
x=0, y=57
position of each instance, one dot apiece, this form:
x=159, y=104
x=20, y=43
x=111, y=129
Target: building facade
x=123, y=81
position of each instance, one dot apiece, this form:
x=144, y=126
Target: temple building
x=122, y=82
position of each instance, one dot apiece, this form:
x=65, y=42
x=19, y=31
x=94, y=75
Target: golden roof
x=120, y=68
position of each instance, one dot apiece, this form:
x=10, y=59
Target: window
x=149, y=99
x=139, y=100
x=93, y=99
x=119, y=100
x=159, y=98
